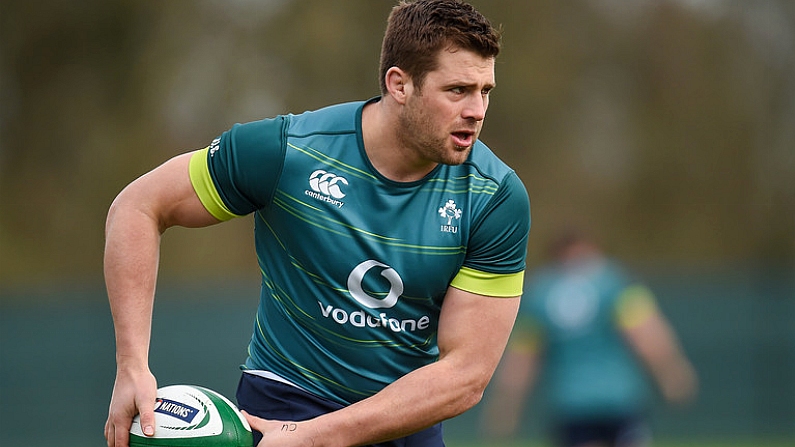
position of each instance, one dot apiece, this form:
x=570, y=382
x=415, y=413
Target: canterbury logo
x=327, y=183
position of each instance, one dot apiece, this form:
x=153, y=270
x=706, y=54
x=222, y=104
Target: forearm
x=473, y=332
x=675, y=376
x=130, y=266
x=138, y=216
x=656, y=344
x=416, y=401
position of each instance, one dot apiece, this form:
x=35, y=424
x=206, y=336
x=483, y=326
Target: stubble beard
x=417, y=133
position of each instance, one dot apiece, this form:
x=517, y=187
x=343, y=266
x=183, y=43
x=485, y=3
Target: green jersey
x=577, y=311
x=355, y=266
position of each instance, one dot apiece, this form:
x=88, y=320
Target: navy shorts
x=630, y=431
x=270, y=399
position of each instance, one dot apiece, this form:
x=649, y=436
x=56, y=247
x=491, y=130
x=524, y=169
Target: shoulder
x=485, y=162
x=490, y=178
x=488, y=173
x=614, y=274
x=251, y=134
x=498, y=212
x=337, y=118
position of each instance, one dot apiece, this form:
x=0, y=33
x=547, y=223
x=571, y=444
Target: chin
x=458, y=156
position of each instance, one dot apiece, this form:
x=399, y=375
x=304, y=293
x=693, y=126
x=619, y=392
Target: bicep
x=474, y=329
x=166, y=195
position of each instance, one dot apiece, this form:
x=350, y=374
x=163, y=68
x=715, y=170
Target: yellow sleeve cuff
x=205, y=188
x=489, y=284
x=635, y=305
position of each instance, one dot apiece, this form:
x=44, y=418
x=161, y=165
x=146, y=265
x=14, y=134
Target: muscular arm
x=473, y=332
x=656, y=344
x=138, y=216
x=651, y=337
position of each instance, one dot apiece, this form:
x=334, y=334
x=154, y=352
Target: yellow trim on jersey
x=205, y=188
x=489, y=284
x=635, y=304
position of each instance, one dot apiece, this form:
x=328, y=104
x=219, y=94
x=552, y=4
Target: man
x=599, y=332
x=391, y=241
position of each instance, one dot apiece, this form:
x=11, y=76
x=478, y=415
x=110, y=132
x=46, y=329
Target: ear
x=398, y=84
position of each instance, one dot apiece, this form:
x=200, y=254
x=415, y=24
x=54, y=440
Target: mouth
x=463, y=139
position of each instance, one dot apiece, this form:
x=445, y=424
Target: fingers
x=115, y=434
x=148, y=421
x=109, y=434
x=259, y=424
x=120, y=418
x=121, y=437
x=145, y=404
x=134, y=392
x=253, y=421
x=117, y=430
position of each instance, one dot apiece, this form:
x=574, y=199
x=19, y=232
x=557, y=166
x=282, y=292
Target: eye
x=458, y=90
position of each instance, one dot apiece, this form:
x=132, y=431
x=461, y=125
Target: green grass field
x=660, y=443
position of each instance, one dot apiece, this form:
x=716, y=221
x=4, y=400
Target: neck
x=384, y=147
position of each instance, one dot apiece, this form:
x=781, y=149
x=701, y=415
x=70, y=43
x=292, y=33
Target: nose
x=476, y=106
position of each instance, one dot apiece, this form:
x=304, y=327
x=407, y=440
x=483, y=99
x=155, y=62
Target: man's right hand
x=133, y=393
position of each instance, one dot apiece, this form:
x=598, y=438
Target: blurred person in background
x=391, y=241
x=598, y=333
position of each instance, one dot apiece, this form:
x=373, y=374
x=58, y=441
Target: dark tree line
x=665, y=129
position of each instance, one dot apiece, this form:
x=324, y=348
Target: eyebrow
x=470, y=85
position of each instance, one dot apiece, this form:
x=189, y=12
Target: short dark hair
x=418, y=30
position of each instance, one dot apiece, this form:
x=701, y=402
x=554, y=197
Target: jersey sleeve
x=237, y=174
x=634, y=305
x=497, y=251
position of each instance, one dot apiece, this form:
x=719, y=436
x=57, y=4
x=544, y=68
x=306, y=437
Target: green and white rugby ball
x=193, y=416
